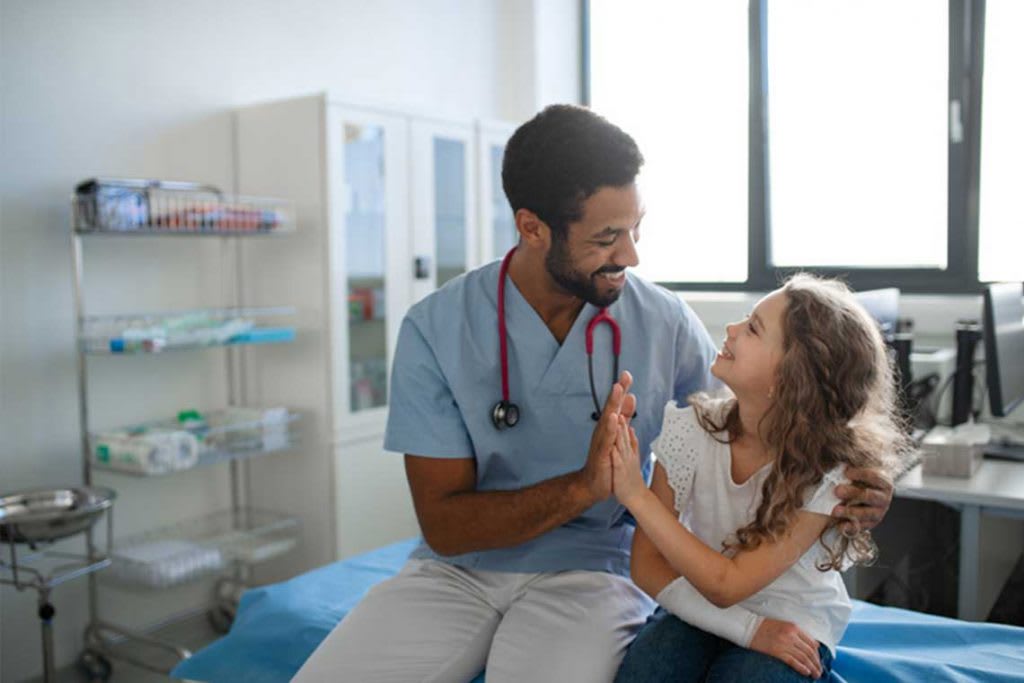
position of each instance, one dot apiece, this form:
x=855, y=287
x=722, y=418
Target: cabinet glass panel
x=365, y=260
x=450, y=208
x=503, y=224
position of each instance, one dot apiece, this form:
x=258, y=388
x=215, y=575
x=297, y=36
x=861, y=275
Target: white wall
x=142, y=88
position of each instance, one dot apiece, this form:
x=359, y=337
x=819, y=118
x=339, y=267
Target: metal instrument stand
x=22, y=572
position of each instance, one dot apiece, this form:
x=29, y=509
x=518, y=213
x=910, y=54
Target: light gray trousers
x=438, y=623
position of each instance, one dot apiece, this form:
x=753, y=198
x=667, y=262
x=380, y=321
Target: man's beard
x=560, y=268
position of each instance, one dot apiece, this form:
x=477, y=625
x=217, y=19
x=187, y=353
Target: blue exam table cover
x=279, y=626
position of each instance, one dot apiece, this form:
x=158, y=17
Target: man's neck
x=555, y=307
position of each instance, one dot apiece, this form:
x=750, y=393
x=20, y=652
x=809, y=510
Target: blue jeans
x=668, y=649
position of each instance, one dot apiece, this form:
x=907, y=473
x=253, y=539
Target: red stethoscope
x=505, y=413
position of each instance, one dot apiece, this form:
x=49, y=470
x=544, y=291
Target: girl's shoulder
x=682, y=434
x=681, y=448
x=678, y=420
x=676, y=416
x=685, y=417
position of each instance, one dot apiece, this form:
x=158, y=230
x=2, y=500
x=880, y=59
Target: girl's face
x=752, y=350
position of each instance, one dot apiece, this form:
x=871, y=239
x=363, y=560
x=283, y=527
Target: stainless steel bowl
x=51, y=514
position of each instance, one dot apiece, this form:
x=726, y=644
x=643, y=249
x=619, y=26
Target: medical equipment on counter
x=955, y=452
x=968, y=334
x=1004, y=346
x=505, y=413
x=41, y=517
x=1003, y=335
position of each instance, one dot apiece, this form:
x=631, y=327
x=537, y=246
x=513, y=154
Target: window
x=691, y=128
x=851, y=130
x=1001, y=219
x=857, y=138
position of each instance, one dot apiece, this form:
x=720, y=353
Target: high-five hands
x=597, y=472
x=627, y=478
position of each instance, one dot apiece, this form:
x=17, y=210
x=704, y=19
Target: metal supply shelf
x=227, y=543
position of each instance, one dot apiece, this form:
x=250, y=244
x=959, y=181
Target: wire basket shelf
x=199, y=547
x=125, y=206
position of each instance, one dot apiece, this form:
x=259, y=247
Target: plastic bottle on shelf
x=151, y=451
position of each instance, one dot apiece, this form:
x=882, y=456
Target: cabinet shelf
x=204, y=546
x=181, y=331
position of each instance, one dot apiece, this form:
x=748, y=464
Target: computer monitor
x=1004, y=346
x=884, y=306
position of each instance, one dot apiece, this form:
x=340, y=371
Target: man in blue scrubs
x=524, y=566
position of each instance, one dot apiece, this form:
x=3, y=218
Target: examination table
x=278, y=627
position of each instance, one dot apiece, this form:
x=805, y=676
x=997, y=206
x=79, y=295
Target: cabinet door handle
x=421, y=267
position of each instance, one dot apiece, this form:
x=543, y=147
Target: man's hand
x=597, y=472
x=865, y=501
x=786, y=642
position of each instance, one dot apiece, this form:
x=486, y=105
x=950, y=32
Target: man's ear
x=532, y=230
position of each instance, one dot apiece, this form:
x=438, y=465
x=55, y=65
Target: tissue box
x=954, y=452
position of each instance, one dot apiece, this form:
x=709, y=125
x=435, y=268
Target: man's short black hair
x=562, y=156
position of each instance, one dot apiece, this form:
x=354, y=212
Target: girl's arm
x=650, y=571
x=654, y=576
x=724, y=581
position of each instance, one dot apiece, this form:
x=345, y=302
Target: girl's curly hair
x=834, y=404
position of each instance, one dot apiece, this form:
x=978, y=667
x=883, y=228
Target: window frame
x=965, y=71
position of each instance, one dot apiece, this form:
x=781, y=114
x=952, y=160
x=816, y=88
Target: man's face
x=590, y=261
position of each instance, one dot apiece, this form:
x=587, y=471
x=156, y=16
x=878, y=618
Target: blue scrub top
x=446, y=378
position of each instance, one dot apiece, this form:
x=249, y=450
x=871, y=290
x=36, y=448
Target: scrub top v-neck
x=446, y=378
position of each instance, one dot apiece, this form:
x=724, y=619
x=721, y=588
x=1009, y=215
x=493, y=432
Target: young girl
x=739, y=506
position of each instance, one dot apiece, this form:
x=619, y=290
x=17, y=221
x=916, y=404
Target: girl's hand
x=627, y=478
x=786, y=642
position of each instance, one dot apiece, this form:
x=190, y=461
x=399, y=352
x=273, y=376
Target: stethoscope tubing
x=502, y=331
x=602, y=316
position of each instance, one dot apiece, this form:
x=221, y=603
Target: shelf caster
x=221, y=617
x=95, y=666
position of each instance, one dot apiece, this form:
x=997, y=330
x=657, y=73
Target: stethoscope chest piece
x=505, y=414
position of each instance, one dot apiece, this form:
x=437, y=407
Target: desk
x=995, y=490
